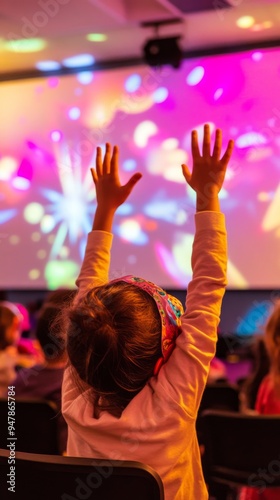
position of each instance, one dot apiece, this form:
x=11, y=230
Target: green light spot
x=96, y=37
x=61, y=274
x=33, y=213
x=25, y=45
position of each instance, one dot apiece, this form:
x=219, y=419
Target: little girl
x=138, y=364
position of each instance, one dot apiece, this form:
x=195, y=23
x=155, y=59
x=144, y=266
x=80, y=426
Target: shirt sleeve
x=185, y=374
x=95, y=267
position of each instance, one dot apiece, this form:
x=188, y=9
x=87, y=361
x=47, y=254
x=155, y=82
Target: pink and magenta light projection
x=50, y=128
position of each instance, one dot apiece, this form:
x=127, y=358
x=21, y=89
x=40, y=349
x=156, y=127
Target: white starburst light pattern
x=72, y=208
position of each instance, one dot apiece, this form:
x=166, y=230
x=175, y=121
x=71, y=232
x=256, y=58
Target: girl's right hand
x=110, y=193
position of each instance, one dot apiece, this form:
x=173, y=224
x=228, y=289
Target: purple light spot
x=195, y=76
x=74, y=113
x=21, y=183
x=25, y=170
x=132, y=83
x=53, y=82
x=56, y=135
x=78, y=61
x=257, y=56
x=85, y=77
x=129, y=165
x=32, y=145
x=218, y=94
x=160, y=95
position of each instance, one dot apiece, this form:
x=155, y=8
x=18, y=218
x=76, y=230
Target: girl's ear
x=158, y=366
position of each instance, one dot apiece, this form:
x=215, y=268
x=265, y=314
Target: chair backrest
x=220, y=396
x=241, y=449
x=36, y=425
x=48, y=477
x=217, y=396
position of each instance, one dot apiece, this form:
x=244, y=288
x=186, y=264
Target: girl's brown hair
x=113, y=342
x=272, y=342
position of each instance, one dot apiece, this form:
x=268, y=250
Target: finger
x=115, y=162
x=206, y=141
x=217, y=145
x=94, y=175
x=225, y=159
x=132, y=181
x=107, y=159
x=186, y=173
x=98, y=162
x=195, y=148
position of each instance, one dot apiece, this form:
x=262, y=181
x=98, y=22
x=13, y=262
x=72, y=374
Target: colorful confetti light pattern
x=49, y=131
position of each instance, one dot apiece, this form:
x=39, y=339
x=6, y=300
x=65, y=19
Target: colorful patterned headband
x=170, y=310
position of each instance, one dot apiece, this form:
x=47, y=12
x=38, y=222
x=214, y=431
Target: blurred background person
x=249, y=388
x=44, y=380
x=12, y=356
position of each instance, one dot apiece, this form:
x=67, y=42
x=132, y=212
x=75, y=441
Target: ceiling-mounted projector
x=161, y=51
